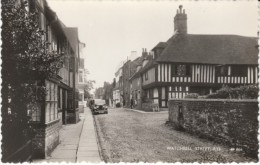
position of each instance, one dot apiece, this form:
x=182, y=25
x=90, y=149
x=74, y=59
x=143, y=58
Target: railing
x=23, y=154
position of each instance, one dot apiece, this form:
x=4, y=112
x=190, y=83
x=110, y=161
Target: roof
x=160, y=45
x=136, y=62
x=211, y=49
x=72, y=36
x=71, y=33
x=150, y=62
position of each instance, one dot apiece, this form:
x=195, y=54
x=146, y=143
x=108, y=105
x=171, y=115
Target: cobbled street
x=130, y=136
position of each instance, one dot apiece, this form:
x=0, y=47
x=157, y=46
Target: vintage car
x=99, y=106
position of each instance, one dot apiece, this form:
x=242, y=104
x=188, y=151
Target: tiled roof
x=211, y=49
x=160, y=45
x=150, y=62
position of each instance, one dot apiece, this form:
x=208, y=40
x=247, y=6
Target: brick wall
x=232, y=122
x=46, y=139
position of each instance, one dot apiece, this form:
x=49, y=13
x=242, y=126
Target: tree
x=26, y=63
x=99, y=93
x=89, y=85
x=108, y=91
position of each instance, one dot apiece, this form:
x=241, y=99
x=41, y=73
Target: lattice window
x=51, y=102
x=181, y=70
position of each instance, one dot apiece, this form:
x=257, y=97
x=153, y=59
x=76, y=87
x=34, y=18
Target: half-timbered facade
x=61, y=96
x=150, y=86
x=202, y=64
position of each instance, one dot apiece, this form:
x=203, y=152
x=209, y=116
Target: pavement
x=78, y=142
x=88, y=144
x=140, y=111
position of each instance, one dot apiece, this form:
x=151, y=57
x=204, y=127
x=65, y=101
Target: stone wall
x=46, y=139
x=231, y=122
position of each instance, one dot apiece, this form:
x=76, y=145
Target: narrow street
x=131, y=136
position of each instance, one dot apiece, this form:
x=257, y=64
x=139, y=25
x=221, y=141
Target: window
x=80, y=76
x=34, y=111
x=164, y=97
x=180, y=70
x=178, y=91
x=239, y=71
x=163, y=92
x=173, y=70
x=146, y=75
x=155, y=96
x=51, y=102
x=222, y=70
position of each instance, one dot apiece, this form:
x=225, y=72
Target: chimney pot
x=180, y=8
x=180, y=21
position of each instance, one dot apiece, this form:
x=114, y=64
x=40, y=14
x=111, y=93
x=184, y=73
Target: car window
x=100, y=102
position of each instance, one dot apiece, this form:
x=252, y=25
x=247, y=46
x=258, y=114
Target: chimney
x=144, y=53
x=180, y=21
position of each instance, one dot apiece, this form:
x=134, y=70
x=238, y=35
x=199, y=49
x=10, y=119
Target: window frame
x=51, y=102
x=239, y=71
x=186, y=67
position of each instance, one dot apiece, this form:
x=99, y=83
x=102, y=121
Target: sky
x=112, y=29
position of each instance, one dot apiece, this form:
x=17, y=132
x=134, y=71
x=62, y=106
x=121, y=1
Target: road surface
x=131, y=136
